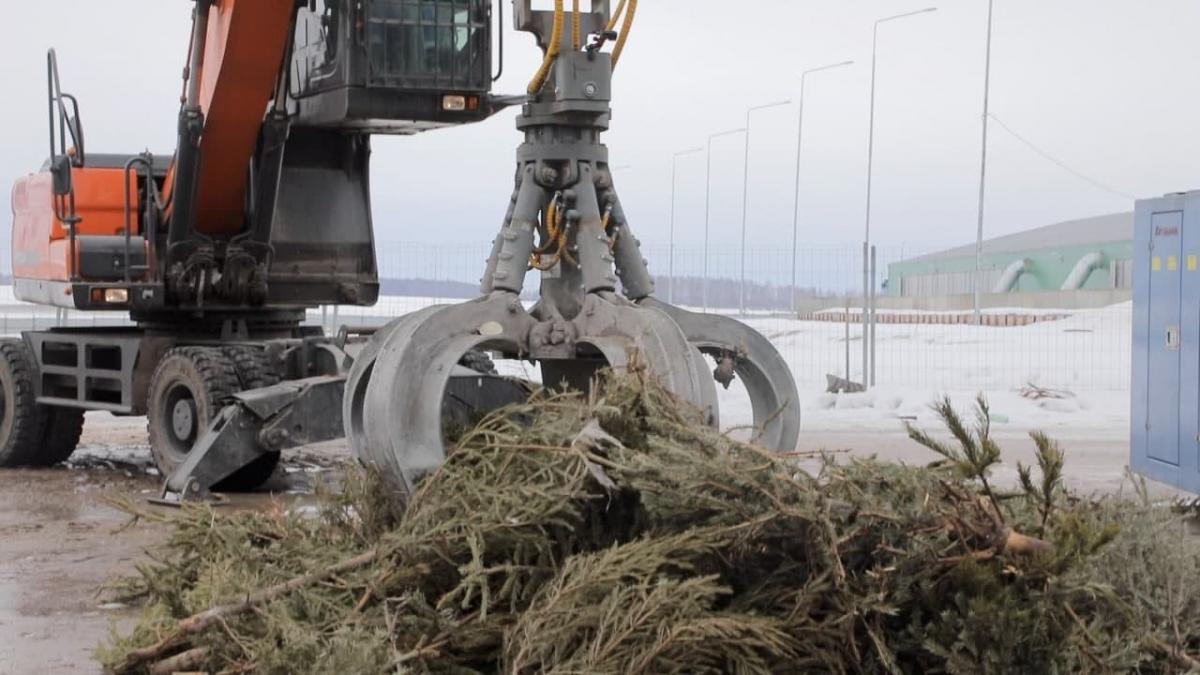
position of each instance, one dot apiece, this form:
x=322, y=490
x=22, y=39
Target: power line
x=1059, y=163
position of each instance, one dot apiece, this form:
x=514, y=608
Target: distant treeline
x=726, y=293
x=689, y=291
x=427, y=288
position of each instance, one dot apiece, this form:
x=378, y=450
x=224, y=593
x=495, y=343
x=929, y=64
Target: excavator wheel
x=255, y=369
x=22, y=420
x=31, y=435
x=190, y=386
x=64, y=427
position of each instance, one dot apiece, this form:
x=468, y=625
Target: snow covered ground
x=1087, y=354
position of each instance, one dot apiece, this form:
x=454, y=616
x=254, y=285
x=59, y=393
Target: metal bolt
x=590, y=89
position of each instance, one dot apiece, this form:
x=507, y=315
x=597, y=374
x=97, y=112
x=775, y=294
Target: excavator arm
x=238, y=52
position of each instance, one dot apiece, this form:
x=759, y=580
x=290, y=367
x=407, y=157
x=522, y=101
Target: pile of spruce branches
x=618, y=534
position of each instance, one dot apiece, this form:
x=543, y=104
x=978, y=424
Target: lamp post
x=799, y=147
x=671, y=245
x=746, y=198
x=868, y=285
x=708, y=207
x=987, y=93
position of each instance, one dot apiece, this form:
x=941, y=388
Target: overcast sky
x=1108, y=87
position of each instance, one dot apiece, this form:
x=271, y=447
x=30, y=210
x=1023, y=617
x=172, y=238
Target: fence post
x=874, y=315
x=866, y=347
x=846, y=316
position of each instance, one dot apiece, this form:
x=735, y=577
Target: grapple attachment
x=565, y=221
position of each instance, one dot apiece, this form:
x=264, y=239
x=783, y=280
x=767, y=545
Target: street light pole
x=987, y=94
x=799, y=147
x=708, y=208
x=746, y=199
x=671, y=245
x=867, y=282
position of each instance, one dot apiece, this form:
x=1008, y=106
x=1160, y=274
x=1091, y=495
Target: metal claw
x=404, y=384
x=768, y=378
x=401, y=384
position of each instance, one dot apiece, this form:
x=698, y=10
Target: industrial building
x=1088, y=254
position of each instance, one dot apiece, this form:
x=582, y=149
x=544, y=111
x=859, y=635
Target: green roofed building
x=1088, y=254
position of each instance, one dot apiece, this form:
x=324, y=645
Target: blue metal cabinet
x=1165, y=422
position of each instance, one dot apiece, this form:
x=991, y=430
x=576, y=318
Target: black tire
x=64, y=427
x=22, y=420
x=255, y=368
x=190, y=386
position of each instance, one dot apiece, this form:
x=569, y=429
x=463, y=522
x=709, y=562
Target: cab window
x=429, y=43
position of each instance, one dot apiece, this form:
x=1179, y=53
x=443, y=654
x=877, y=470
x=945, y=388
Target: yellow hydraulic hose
x=552, y=50
x=616, y=16
x=576, y=27
x=616, y=55
x=552, y=225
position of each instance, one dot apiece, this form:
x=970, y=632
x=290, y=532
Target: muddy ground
x=60, y=541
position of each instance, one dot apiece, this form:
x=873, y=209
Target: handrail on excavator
x=66, y=123
x=64, y=203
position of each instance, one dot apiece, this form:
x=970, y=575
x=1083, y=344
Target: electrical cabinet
x=1165, y=421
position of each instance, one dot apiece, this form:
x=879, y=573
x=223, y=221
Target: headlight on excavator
x=111, y=296
x=460, y=103
x=116, y=296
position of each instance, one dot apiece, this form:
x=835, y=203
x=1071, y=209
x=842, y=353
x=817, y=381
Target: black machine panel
x=392, y=66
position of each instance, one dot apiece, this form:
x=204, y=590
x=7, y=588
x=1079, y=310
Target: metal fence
x=815, y=322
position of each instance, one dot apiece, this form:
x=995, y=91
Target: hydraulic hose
x=576, y=27
x=616, y=55
x=539, y=79
x=616, y=16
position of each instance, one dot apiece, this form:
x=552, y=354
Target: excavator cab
x=392, y=66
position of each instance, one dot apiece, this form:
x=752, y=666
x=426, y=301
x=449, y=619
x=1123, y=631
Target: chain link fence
x=815, y=322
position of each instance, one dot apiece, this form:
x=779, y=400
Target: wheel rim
x=181, y=418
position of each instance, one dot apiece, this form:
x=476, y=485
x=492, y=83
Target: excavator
x=217, y=251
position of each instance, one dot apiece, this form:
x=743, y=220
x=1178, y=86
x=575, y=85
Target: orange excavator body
x=40, y=245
